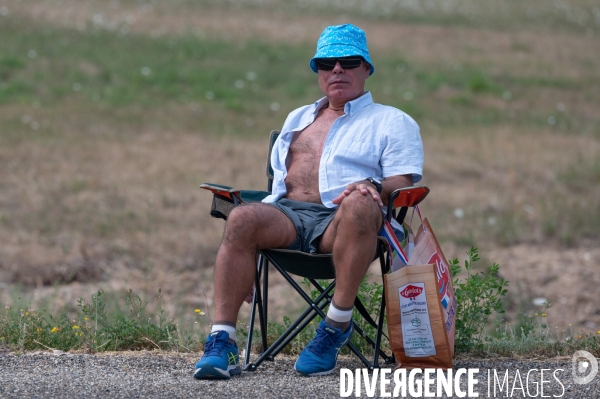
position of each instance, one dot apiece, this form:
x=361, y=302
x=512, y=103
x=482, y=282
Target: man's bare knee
x=241, y=224
x=360, y=209
x=259, y=226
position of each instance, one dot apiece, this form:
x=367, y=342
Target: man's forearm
x=393, y=183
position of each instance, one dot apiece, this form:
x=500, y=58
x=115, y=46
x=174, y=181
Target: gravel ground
x=152, y=374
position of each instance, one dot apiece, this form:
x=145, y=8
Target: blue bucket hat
x=342, y=41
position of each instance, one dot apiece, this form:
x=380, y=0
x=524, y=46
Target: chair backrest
x=403, y=198
x=272, y=138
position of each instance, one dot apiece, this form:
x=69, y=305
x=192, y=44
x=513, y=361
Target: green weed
x=479, y=297
x=93, y=329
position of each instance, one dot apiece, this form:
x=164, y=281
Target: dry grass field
x=113, y=112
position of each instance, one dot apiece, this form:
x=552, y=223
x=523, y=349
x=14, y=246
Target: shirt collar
x=350, y=107
x=320, y=103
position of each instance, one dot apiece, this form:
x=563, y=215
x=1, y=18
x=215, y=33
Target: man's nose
x=338, y=68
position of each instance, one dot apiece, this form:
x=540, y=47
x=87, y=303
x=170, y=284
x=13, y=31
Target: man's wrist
x=376, y=183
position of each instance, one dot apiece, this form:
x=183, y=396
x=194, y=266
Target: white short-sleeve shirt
x=369, y=140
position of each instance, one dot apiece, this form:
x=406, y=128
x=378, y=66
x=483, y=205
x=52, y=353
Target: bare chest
x=303, y=160
x=308, y=143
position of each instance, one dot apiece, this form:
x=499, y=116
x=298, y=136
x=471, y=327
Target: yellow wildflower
x=55, y=329
x=85, y=318
x=75, y=327
x=201, y=313
x=543, y=314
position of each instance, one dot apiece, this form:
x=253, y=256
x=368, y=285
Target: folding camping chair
x=313, y=267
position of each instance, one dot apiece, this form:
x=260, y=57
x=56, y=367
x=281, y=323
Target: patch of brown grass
x=115, y=206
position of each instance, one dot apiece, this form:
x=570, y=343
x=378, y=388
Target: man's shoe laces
x=322, y=341
x=214, y=348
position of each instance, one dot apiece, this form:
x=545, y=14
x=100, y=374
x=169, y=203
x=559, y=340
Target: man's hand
x=389, y=184
x=364, y=187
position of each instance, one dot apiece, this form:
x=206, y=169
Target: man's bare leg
x=249, y=228
x=352, y=238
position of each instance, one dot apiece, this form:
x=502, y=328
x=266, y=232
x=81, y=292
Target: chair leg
x=379, y=332
x=257, y=304
x=251, y=325
x=262, y=318
x=250, y=332
x=265, y=297
x=384, y=262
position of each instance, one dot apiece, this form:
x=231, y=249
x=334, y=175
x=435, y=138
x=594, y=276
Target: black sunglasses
x=327, y=64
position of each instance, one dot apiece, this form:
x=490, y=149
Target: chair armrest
x=225, y=198
x=223, y=191
x=230, y=192
x=406, y=197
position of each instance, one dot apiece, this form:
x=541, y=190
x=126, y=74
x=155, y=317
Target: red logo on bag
x=411, y=291
x=441, y=271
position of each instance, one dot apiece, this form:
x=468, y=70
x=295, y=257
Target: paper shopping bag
x=428, y=251
x=415, y=320
x=421, y=306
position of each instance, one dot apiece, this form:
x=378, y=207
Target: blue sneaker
x=220, y=359
x=320, y=355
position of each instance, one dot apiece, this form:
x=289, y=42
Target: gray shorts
x=310, y=220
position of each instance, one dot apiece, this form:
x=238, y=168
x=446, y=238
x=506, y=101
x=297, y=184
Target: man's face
x=343, y=85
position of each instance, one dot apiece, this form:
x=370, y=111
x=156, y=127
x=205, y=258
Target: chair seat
x=315, y=266
x=311, y=266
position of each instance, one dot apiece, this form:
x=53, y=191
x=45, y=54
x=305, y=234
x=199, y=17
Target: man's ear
x=367, y=69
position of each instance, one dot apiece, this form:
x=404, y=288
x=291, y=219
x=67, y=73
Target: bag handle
x=390, y=236
x=416, y=207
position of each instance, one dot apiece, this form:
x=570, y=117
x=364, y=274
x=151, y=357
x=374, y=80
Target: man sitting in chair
x=335, y=164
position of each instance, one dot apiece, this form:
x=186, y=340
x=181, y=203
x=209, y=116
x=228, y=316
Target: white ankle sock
x=224, y=327
x=341, y=316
